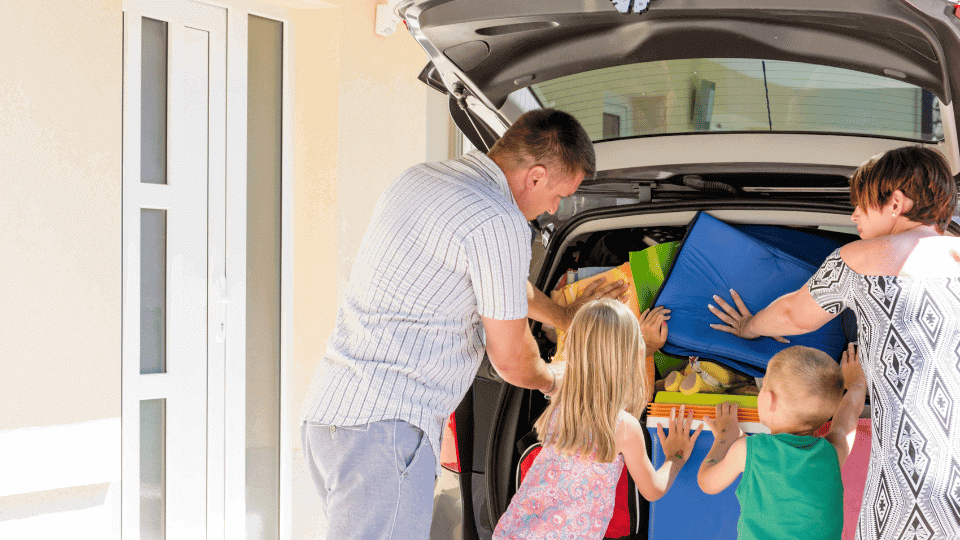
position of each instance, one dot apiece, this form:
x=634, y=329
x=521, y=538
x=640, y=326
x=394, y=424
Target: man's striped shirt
x=446, y=244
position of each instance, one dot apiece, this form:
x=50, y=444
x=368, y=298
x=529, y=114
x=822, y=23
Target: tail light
x=449, y=451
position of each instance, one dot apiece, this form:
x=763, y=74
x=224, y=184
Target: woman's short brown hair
x=922, y=174
x=548, y=137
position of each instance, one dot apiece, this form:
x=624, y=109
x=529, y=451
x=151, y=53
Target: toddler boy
x=791, y=485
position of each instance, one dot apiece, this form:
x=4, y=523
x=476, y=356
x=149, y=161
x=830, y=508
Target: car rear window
x=738, y=95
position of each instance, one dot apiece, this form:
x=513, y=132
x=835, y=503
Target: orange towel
x=662, y=410
x=569, y=293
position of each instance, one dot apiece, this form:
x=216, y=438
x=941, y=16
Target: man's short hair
x=548, y=137
x=811, y=380
x=922, y=174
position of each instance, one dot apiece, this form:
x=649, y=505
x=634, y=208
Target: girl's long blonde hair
x=604, y=351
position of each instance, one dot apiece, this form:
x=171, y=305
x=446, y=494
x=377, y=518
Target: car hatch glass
x=739, y=95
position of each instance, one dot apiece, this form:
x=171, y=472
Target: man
x=440, y=276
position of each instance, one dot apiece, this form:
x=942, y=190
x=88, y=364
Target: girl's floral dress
x=563, y=497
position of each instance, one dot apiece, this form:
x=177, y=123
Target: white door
x=173, y=250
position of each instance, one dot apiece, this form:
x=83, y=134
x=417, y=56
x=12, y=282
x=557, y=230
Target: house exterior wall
x=60, y=219
x=374, y=120
x=359, y=121
x=360, y=118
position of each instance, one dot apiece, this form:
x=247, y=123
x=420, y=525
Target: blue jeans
x=375, y=481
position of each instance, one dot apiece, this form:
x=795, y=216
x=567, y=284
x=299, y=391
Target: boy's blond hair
x=809, y=381
x=604, y=351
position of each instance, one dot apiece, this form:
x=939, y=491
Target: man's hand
x=598, y=289
x=653, y=326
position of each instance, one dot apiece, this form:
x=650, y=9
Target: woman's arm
x=791, y=314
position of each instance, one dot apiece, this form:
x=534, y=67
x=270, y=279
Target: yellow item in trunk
x=710, y=378
x=673, y=380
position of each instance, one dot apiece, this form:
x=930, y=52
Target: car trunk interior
x=605, y=237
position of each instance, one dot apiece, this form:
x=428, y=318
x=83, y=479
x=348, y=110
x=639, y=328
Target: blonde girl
x=589, y=431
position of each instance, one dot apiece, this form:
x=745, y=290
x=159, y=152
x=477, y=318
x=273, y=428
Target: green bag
x=649, y=267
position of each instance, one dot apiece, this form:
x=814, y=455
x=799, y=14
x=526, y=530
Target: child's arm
x=727, y=456
x=843, y=429
x=677, y=447
x=653, y=327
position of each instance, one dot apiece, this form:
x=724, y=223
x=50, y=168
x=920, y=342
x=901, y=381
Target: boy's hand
x=843, y=429
x=853, y=376
x=726, y=427
x=679, y=444
x=653, y=326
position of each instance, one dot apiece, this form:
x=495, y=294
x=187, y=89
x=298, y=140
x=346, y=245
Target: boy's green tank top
x=790, y=488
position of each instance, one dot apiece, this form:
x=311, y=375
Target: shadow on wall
x=55, y=500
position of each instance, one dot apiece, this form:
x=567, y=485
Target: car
x=753, y=111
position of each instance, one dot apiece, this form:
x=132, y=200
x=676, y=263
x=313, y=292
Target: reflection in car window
x=681, y=96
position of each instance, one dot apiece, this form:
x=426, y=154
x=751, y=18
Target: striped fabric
x=446, y=244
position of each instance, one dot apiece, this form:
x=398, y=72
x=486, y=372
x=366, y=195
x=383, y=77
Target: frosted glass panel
x=153, y=102
x=264, y=106
x=153, y=291
x=152, y=462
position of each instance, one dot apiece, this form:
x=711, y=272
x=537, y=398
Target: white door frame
x=194, y=197
x=226, y=387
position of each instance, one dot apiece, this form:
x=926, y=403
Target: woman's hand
x=653, y=326
x=736, y=320
x=679, y=444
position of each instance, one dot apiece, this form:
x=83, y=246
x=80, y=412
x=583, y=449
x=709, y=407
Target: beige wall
x=360, y=120
x=60, y=143
x=60, y=265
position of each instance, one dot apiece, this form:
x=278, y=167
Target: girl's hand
x=679, y=444
x=653, y=326
x=853, y=376
x=726, y=427
x=735, y=320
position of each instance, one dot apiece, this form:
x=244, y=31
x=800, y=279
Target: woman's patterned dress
x=909, y=343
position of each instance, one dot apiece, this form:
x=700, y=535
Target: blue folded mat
x=761, y=264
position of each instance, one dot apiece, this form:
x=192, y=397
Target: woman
x=903, y=281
